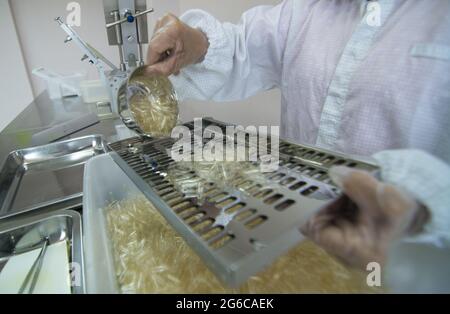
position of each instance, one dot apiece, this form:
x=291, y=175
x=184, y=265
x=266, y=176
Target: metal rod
x=118, y=29
x=33, y=273
x=126, y=19
x=39, y=267
x=139, y=39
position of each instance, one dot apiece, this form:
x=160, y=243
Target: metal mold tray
x=58, y=226
x=43, y=176
x=252, y=228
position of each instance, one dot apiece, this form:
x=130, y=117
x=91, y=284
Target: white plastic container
x=59, y=86
x=94, y=91
x=104, y=183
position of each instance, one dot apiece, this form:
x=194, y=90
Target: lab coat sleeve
x=242, y=59
x=428, y=180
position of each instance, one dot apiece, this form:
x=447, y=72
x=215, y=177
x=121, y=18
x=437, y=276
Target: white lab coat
x=367, y=82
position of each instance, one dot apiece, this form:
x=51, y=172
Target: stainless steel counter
x=44, y=113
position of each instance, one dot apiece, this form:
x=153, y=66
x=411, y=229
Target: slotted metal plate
x=237, y=231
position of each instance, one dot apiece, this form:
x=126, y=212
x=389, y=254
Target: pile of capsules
x=153, y=104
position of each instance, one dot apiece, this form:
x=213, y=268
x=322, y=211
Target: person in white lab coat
x=370, y=78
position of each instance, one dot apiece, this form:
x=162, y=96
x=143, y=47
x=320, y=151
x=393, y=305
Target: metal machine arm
x=127, y=29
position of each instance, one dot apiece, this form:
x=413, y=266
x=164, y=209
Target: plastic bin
x=59, y=86
x=104, y=183
x=94, y=91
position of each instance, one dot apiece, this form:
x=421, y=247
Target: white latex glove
x=175, y=45
x=359, y=227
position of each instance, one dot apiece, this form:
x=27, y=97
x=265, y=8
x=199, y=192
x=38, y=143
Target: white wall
x=42, y=45
x=15, y=88
x=263, y=109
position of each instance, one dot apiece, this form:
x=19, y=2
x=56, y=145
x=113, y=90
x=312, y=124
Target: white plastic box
x=104, y=183
x=94, y=91
x=59, y=86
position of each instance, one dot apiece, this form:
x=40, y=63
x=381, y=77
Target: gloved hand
x=359, y=227
x=175, y=45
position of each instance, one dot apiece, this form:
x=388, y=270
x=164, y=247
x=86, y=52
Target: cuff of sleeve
x=219, y=46
x=428, y=180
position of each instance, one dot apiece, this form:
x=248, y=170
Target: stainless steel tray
x=46, y=175
x=58, y=226
x=250, y=230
